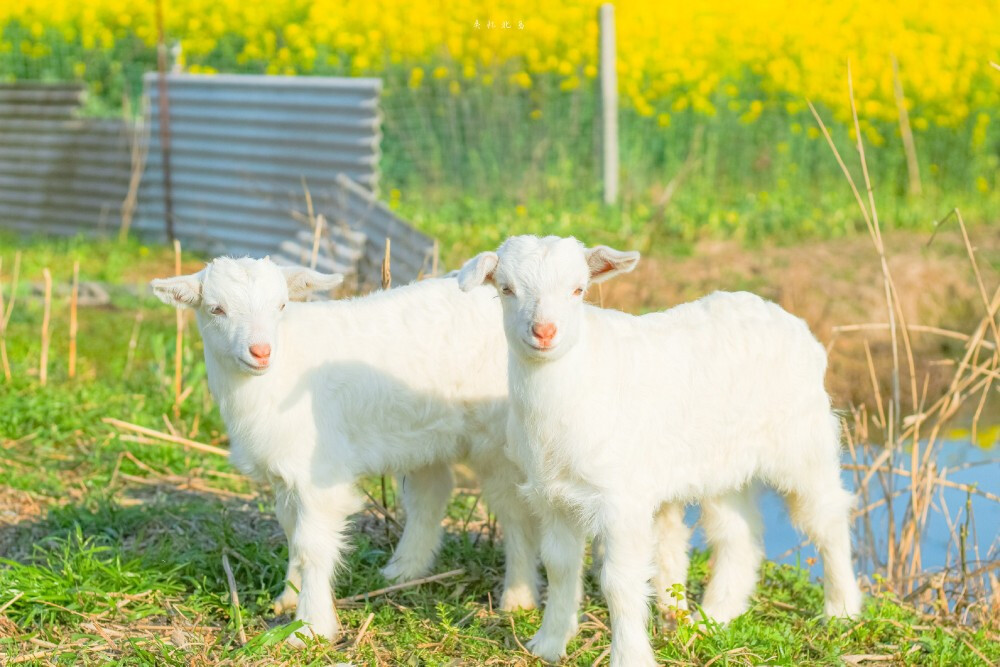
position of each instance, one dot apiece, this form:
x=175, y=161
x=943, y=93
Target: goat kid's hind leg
x=629, y=543
x=284, y=508
x=820, y=507
x=562, y=553
x=425, y=493
x=318, y=542
x=672, y=542
x=733, y=530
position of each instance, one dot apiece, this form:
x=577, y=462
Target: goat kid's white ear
x=605, y=262
x=477, y=271
x=302, y=281
x=182, y=291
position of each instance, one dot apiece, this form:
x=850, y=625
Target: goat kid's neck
x=540, y=388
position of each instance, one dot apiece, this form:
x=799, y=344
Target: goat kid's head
x=541, y=282
x=239, y=304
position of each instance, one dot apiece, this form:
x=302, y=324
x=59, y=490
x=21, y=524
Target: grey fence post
x=609, y=103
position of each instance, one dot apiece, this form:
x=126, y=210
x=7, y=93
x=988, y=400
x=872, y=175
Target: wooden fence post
x=609, y=103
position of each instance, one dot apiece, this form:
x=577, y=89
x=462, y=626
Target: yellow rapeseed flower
x=719, y=52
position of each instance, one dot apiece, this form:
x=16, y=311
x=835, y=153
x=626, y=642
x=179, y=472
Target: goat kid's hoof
x=843, y=610
x=549, y=649
x=298, y=638
x=401, y=571
x=701, y=623
x=671, y=619
x=517, y=598
x=286, y=602
x=638, y=659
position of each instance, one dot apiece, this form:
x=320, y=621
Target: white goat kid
x=614, y=417
x=316, y=395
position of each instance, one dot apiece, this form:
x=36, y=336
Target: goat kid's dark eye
x=281, y=307
x=508, y=291
x=218, y=310
x=578, y=291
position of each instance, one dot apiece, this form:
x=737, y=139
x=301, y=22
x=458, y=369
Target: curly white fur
x=615, y=419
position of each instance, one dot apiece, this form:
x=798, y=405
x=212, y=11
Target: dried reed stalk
x=234, y=598
x=73, y=325
x=973, y=374
x=874, y=230
x=138, y=152
x=919, y=328
x=909, y=146
x=310, y=210
x=386, y=284
x=5, y=314
x=318, y=225
x=43, y=362
x=133, y=343
x=387, y=265
x=990, y=317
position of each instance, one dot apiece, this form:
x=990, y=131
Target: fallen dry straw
x=399, y=587
x=160, y=435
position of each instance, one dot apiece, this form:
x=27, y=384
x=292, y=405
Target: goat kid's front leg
x=628, y=566
x=317, y=543
x=285, y=509
x=562, y=546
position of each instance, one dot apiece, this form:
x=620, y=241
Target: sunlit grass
x=109, y=556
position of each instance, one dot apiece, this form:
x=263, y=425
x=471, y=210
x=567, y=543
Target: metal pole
x=609, y=102
x=161, y=65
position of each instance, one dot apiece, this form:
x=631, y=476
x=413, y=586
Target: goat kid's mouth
x=540, y=349
x=254, y=368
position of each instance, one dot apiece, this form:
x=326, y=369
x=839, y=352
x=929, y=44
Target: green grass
x=106, y=569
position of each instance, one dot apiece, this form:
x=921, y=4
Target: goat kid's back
x=712, y=390
x=398, y=375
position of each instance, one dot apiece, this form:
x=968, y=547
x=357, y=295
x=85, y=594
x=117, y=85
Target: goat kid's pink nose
x=544, y=332
x=261, y=352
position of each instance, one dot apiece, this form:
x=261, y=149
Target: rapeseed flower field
x=480, y=96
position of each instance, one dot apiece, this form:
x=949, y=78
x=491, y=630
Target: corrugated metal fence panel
x=412, y=252
x=59, y=174
x=245, y=148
